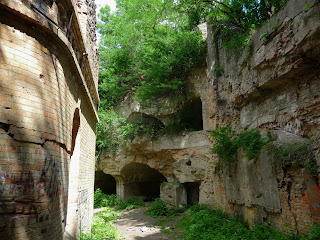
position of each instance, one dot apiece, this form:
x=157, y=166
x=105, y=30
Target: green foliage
x=228, y=143
x=159, y=208
x=314, y=233
x=296, y=155
x=102, y=227
x=233, y=20
x=203, y=223
x=146, y=48
x=131, y=203
x=108, y=130
x=113, y=131
x=252, y=142
x=104, y=200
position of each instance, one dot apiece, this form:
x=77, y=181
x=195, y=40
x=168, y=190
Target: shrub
x=104, y=200
x=228, y=143
x=131, y=203
x=159, y=208
x=296, y=155
x=203, y=223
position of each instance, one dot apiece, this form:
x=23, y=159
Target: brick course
x=41, y=85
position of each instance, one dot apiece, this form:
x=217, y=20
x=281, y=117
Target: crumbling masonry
x=48, y=114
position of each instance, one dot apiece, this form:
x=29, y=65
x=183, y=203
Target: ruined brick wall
x=272, y=86
x=44, y=79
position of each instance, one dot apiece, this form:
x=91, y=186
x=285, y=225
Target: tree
x=147, y=48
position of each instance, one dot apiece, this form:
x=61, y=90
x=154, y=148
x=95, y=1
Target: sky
x=102, y=3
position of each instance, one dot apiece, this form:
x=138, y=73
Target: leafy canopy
x=146, y=47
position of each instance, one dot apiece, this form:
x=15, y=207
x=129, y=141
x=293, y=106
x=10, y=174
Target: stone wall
x=270, y=86
x=47, y=122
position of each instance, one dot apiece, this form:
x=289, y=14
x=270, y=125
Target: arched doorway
x=105, y=182
x=142, y=181
x=73, y=184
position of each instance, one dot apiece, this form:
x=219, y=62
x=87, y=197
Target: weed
x=131, y=203
x=159, y=208
x=228, y=143
x=102, y=227
x=104, y=200
x=203, y=223
x=296, y=155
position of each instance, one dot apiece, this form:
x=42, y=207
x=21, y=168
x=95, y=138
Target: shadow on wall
x=34, y=130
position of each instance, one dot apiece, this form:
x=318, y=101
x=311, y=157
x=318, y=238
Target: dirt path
x=134, y=225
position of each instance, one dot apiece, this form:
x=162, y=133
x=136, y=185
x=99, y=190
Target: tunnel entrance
x=192, y=192
x=142, y=181
x=105, y=182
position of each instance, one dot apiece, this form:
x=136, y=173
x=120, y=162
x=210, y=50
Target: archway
x=142, y=181
x=105, y=182
x=73, y=185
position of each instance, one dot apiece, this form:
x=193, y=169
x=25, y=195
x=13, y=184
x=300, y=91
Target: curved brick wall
x=43, y=81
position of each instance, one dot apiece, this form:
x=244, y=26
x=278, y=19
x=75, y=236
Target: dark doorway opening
x=105, y=182
x=192, y=191
x=142, y=181
x=191, y=115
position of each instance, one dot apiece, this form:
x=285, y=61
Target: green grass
x=203, y=223
x=102, y=227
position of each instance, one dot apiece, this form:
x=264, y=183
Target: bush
x=203, y=223
x=104, y=200
x=131, y=203
x=159, y=208
x=228, y=143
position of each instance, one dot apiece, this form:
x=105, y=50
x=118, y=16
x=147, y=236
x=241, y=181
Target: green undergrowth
x=102, y=227
x=203, y=223
x=160, y=208
x=105, y=200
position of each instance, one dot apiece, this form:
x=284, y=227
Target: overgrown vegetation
x=296, y=155
x=203, y=223
x=102, y=227
x=113, y=131
x=159, y=208
x=105, y=200
x=228, y=143
x=149, y=46
x=146, y=48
